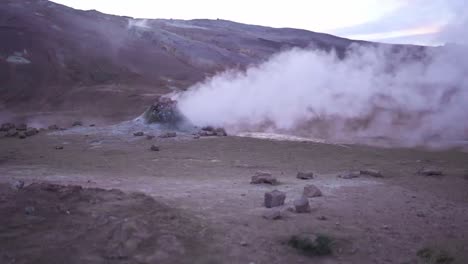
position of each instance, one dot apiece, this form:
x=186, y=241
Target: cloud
x=438, y=15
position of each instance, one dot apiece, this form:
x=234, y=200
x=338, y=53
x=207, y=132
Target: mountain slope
x=52, y=56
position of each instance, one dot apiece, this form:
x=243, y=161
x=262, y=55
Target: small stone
x=149, y=137
x=22, y=127
x=262, y=177
x=420, y=214
x=22, y=135
x=29, y=210
x=302, y=205
x=154, y=148
x=168, y=135
x=350, y=175
x=372, y=172
x=311, y=191
x=17, y=185
x=305, y=175
x=272, y=215
x=92, y=125
x=430, y=172
x=138, y=134
x=58, y=147
x=244, y=243
x=322, y=218
x=274, y=199
x=77, y=123
x=196, y=137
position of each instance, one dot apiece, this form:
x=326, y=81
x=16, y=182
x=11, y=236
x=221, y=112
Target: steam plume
x=373, y=92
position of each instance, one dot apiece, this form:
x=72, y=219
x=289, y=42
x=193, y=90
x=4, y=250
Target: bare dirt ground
x=192, y=202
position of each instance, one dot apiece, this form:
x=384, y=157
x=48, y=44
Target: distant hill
x=53, y=56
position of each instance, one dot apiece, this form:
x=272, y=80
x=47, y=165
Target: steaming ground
x=202, y=195
x=373, y=93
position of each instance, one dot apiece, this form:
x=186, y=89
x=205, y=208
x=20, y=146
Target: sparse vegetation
x=432, y=256
x=321, y=246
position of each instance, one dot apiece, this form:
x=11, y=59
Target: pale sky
x=393, y=21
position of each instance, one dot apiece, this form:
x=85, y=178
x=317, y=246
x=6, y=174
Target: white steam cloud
x=372, y=92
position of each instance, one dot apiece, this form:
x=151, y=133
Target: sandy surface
x=206, y=182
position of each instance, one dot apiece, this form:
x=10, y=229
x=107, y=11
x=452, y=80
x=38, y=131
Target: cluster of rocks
x=210, y=131
x=20, y=131
x=277, y=198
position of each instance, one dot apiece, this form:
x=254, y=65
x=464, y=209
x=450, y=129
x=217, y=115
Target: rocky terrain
x=96, y=167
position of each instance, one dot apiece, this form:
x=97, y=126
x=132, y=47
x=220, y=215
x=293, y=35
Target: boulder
x=302, y=205
x=149, y=137
x=204, y=133
x=311, y=191
x=262, y=177
x=371, y=172
x=305, y=175
x=7, y=126
x=221, y=132
x=274, y=199
x=350, y=175
x=164, y=111
x=138, y=134
x=168, y=135
x=22, y=127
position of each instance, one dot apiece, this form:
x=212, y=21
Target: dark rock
x=221, y=132
x=272, y=215
x=350, y=175
x=305, y=175
x=371, y=172
x=7, y=126
x=22, y=135
x=22, y=127
x=138, y=134
x=92, y=125
x=149, y=137
x=274, y=199
x=311, y=191
x=29, y=210
x=302, y=205
x=164, y=111
x=31, y=132
x=154, y=148
x=322, y=218
x=77, y=123
x=430, y=172
x=58, y=147
x=168, y=135
x=208, y=129
x=262, y=177
x=53, y=127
